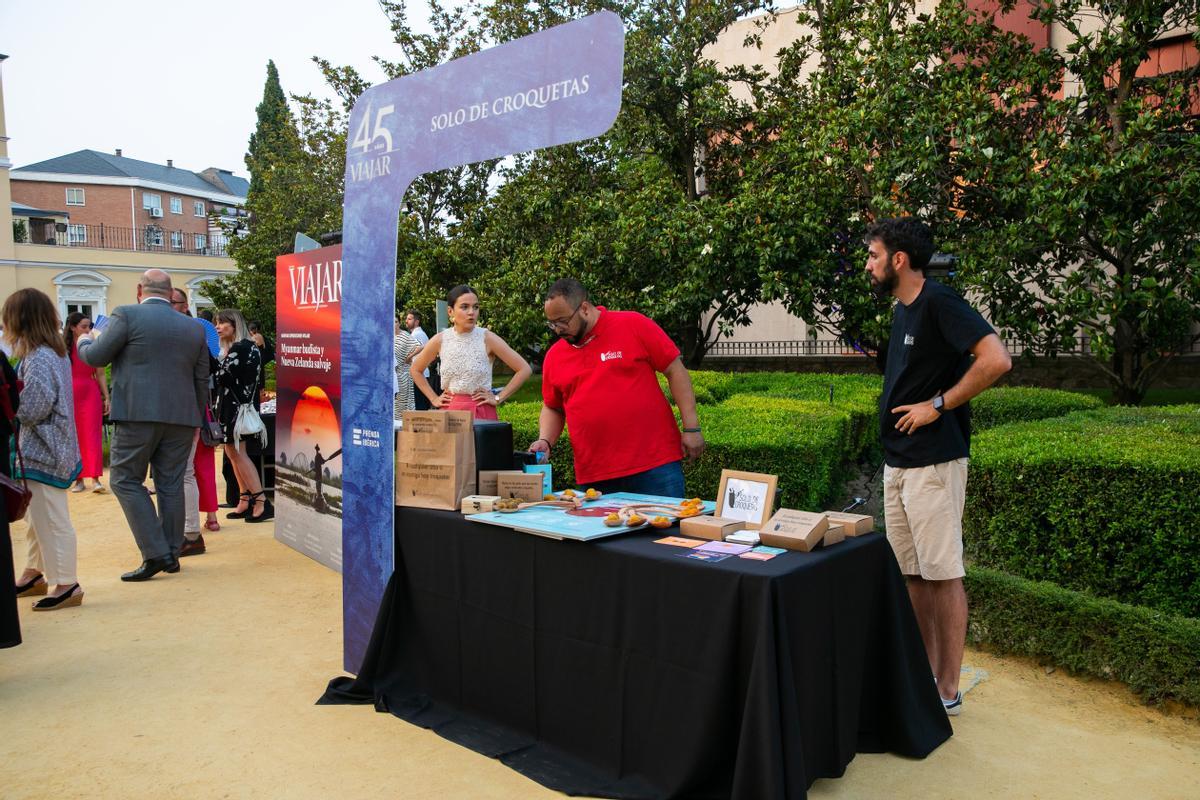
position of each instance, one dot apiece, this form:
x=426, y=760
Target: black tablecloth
x=621, y=669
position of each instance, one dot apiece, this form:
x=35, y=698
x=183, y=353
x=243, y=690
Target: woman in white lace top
x=467, y=352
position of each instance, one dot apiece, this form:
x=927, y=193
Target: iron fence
x=144, y=238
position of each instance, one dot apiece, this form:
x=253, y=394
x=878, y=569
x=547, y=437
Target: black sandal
x=34, y=586
x=71, y=597
x=268, y=510
x=242, y=514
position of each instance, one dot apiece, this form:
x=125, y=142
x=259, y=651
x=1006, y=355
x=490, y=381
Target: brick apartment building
x=114, y=201
x=83, y=227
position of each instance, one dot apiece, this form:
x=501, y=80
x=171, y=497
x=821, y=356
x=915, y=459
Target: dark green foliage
x=1154, y=653
x=296, y=176
x=1098, y=501
x=1002, y=405
x=808, y=444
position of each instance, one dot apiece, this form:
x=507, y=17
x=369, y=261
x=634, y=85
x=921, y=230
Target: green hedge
x=1154, y=653
x=1099, y=501
x=807, y=444
x=779, y=423
x=1005, y=405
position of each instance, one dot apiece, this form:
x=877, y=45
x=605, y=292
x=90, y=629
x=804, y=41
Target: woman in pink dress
x=91, y=404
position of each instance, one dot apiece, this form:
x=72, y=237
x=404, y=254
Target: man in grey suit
x=159, y=388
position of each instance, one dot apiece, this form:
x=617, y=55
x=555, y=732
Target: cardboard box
x=709, y=527
x=424, y=421
x=524, y=486
x=834, y=534
x=479, y=503
x=854, y=524
x=487, y=480
x=794, y=530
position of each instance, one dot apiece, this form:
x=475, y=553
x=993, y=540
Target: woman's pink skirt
x=206, y=476
x=464, y=402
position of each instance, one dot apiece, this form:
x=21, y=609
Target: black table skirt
x=621, y=669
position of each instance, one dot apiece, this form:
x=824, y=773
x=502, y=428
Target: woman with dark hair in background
x=49, y=450
x=467, y=352
x=236, y=384
x=90, y=390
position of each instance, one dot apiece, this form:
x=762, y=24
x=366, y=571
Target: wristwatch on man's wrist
x=938, y=403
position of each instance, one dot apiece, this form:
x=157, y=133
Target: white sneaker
x=953, y=707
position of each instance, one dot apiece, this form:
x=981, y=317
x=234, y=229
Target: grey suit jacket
x=159, y=364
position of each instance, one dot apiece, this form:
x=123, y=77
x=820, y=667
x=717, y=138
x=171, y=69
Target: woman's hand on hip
x=485, y=397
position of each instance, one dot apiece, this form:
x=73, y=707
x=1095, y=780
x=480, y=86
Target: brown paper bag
x=435, y=459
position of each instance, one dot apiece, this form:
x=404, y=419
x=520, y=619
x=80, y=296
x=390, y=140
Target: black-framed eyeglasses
x=557, y=325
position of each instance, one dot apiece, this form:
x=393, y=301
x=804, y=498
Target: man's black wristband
x=691, y=430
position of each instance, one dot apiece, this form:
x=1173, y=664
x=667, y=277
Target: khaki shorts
x=923, y=508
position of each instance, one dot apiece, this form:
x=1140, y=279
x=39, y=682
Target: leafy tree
x=295, y=186
x=860, y=122
x=1064, y=181
x=637, y=215
x=1085, y=223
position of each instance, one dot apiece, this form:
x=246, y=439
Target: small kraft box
x=706, y=527
x=853, y=524
x=479, y=503
x=487, y=480
x=794, y=530
x=523, y=486
x=834, y=534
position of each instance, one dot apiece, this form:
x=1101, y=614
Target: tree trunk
x=1127, y=366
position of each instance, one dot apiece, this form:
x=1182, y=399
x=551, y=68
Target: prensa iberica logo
x=316, y=285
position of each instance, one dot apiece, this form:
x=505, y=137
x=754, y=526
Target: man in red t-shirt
x=600, y=379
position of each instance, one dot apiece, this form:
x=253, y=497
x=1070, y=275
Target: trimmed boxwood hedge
x=1007, y=404
x=1154, y=653
x=807, y=444
x=1098, y=501
x=778, y=423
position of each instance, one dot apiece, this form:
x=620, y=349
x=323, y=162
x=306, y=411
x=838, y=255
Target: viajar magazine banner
x=308, y=407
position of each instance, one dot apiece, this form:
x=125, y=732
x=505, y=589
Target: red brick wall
x=1016, y=21
x=110, y=205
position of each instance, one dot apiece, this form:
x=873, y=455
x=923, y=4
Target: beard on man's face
x=884, y=286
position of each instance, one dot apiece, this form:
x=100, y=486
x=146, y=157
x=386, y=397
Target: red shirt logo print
x=611, y=355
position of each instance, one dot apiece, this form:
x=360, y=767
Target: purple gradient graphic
x=557, y=86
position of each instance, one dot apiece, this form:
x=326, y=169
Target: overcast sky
x=167, y=80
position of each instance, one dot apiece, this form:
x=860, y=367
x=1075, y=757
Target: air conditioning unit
x=156, y=212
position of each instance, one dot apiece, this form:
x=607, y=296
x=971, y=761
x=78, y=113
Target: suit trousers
x=164, y=448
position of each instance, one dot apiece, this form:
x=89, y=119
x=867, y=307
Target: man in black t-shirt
x=929, y=377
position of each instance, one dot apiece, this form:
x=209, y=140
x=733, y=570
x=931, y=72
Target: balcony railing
x=795, y=347
x=145, y=238
x=1080, y=346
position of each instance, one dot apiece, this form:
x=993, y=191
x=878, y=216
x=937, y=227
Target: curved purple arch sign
x=557, y=86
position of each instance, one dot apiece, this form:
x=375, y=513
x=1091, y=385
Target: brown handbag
x=16, y=495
